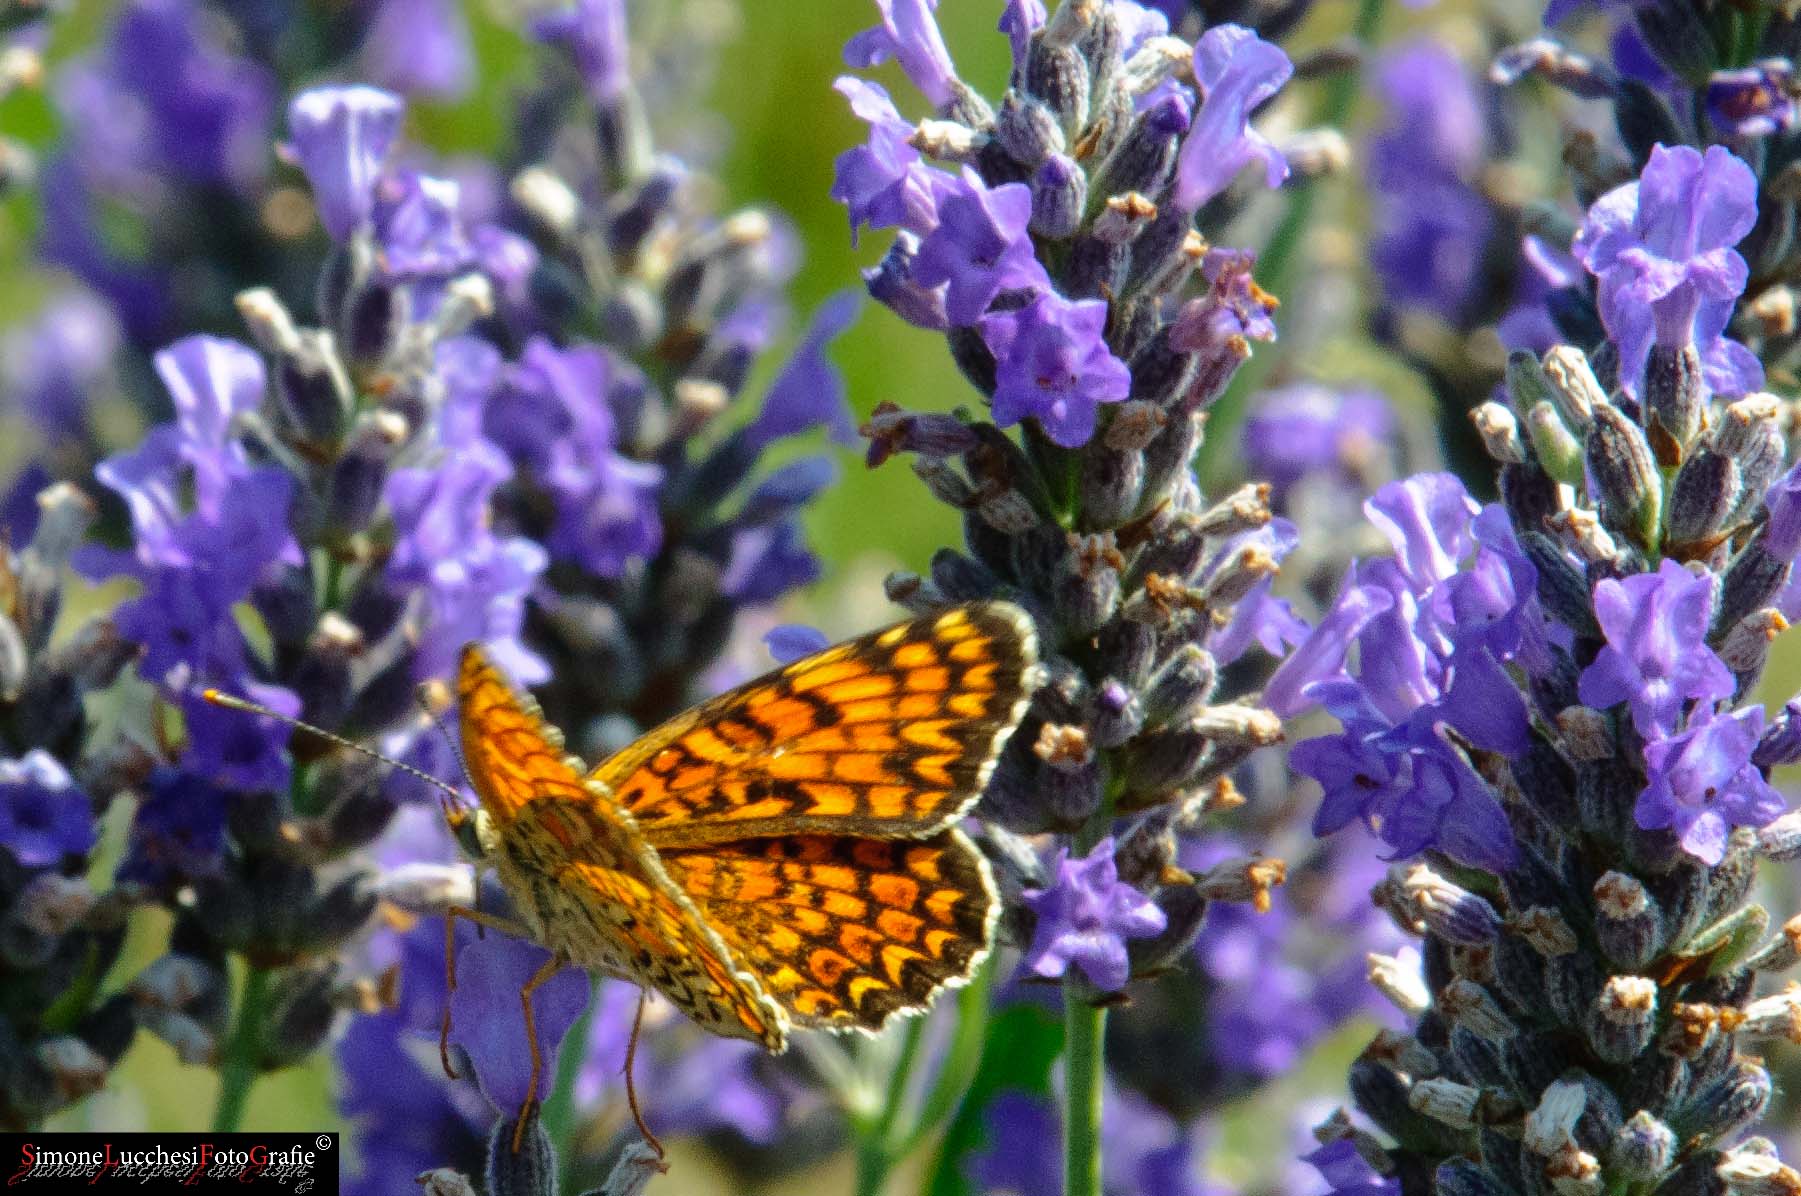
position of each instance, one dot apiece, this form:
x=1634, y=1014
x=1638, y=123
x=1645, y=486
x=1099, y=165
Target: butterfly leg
x=493, y=922
x=550, y=967
x=631, y=1090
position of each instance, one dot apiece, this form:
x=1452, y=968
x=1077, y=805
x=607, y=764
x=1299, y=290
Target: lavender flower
x=43, y=816
x=342, y=136
x=1236, y=71
x=1753, y=101
x=1701, y=783
x=1085, y=918
x=1661, y=249
x=1052, y=364
x=1656, y=657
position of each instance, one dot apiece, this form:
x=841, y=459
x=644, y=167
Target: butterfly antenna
x=451, y=796
x=437, y=718
x=631, y=1089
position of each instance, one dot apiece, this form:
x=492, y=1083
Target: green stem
x=876, y=1152
x=960, y=1062
x=1276, y=263
x=242, y=1061
x=1084, y=1033
x=558, y=1113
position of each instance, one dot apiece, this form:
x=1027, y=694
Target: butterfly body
x=783, y=855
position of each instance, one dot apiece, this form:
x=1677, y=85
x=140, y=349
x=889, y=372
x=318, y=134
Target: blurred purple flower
x=162, y=100
x=1143, y=1152
x=407, y=1119
x=487, y=1021
x=177, y=832
x=1702, y=782
x=419, y=47
x=793, y=641
x=342, y=137
x=1235, y=71
x=419, y=227
x=236, y=751
x=980, y=246
x=1347, y=1173
x=1085, y=918
x=908, y=33
x=211, y=381
x=594, y=33
x=1432, y=225
x=1656, y=657
x=1662, y=250
x=1753, y=101
x=1307, y=431
x=1052, y=364
x=474, y=582
x=1019, y=20
x=43, y=815
x=1782, y=534
x=51, y=367
x=808, y=393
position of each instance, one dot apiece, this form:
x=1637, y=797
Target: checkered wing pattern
x=890, y=735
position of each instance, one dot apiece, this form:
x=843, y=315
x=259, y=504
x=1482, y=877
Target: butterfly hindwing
x=845, y=931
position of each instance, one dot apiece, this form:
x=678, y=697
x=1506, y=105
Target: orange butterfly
x=784, y=855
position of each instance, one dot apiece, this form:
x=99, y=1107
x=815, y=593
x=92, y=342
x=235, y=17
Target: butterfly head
x=474, y=831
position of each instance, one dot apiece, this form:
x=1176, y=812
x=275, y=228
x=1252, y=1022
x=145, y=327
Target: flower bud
x=1146, y=156
x=1704, y=493
x=1446, y=1101
x=1675, y=400
x=1500, y=432
x=1628, y=490
x=1750, y=1173
x=1573, y=386
x=1628, y=922
x=1028, y=130
x=1730, y=1103
x=1058, y=76
x=1123, y=218
x=1643, y=1148
x=1471, y=1007
x=1059, y=194
x=1624, y=1017
x=1400, y=983
x=529, y=1171
x=442, y=1181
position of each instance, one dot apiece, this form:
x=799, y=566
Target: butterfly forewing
x=890, y=735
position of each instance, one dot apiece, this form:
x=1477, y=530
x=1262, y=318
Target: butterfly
x=785, y=855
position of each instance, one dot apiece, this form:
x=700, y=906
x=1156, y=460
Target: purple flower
x=702, y=1083
x=594, y=32
x=1019, y=20
x=177, y=832
x=419, y=228
x=211, y=381
x=1143, y=1149
x=1234, y=310
x=1702, y=783
x=474, y=582
x=980, y=246
x=1753, y=101
x=882, y=182
x=1662, y=250
x=1236, y=71
x=1656, y=656
x=236, y=751
x=51, y=368
x=909, y=35
x=407, y=1119
x=420, y=47
x=1051, y=363
x=792, y=641
x=43, y=816
x=163, y=100
x=1348, y=1173
x=487, y=1021
x=1301, y=431
x=809, y=392
x=1782, y=534
x=342, y=136
x=1085, y=918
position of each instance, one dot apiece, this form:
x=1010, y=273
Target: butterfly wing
x=890, y=735
x=845, y=931
x=579, y=872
